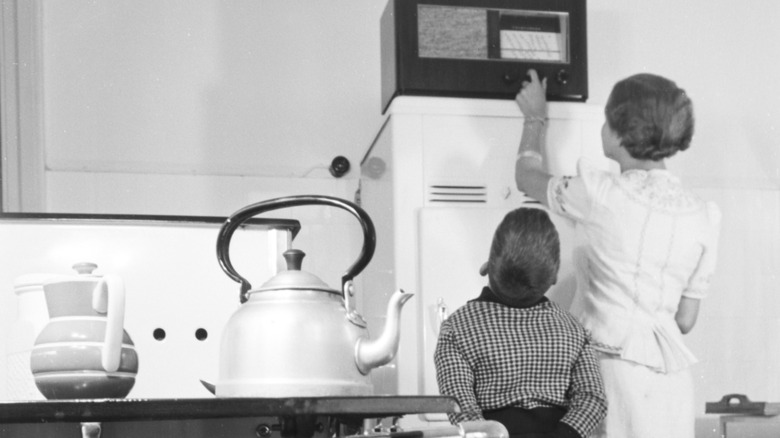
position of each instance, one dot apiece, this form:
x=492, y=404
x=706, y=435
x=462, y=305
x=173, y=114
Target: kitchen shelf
x=51, y=411
x=292, y=225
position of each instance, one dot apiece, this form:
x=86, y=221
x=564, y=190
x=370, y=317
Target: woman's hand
x=531, y=97
x=687, y=313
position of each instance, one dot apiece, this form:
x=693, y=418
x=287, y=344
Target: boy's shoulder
x=476, y=308
x=481, y=316
x=468, y=310
x=558, y=309
x=564, y=315
x=473, y=312
x=476, y=316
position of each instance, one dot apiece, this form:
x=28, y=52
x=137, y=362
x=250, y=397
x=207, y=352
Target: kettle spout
x=370, y=354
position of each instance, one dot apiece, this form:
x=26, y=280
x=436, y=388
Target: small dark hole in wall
x=201, y=334
x=159, y=334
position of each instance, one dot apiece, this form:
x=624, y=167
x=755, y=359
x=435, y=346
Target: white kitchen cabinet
x=437, y=180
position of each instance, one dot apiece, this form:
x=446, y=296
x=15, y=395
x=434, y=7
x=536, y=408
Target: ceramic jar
x=84, y=351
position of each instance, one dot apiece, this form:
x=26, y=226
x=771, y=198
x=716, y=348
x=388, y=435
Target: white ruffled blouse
x=646, y=242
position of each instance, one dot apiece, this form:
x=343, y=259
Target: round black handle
x=513, y=77
x=339, y=166
x=246, y=213
x=562, y=77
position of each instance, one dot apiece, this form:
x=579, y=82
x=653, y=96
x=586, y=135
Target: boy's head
x=524, y=256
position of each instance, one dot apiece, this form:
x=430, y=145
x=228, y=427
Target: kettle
x=294, y=336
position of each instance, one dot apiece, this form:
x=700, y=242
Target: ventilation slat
x=457, y=194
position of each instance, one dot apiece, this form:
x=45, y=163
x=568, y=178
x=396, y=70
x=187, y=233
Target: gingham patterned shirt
x=492, y=356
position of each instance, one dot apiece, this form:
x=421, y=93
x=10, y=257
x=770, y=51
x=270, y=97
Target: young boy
x=515, y=357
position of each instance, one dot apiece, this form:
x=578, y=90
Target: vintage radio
x=483, y=48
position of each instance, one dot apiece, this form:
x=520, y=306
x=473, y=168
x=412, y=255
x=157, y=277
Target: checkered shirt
x=491, y=356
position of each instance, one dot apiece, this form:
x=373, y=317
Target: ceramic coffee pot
x=84, y=351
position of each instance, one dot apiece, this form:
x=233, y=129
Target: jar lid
x=83, y=274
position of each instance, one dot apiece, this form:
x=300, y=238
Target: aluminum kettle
x=295, y=336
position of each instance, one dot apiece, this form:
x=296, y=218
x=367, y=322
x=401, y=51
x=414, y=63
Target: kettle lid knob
x=294, y=259
x=294, y=277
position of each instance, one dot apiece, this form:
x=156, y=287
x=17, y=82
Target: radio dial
x=563, y=77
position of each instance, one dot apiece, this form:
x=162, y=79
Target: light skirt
x=643, y=403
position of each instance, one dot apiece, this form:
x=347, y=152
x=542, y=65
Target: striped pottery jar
x=83, y=352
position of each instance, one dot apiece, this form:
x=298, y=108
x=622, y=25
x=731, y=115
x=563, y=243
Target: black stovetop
x=180, y=409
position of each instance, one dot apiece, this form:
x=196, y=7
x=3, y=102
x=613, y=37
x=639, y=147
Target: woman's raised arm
x=530, y=175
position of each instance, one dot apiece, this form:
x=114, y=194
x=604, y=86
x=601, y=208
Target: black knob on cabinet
x=562, y=77
x=512, y=77
x=339, y=166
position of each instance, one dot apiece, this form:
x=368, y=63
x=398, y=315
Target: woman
x=648, y=253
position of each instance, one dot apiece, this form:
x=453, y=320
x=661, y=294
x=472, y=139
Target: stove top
x=170, y=409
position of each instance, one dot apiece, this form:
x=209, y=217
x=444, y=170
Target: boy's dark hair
x=524, y=256
x=651, y=115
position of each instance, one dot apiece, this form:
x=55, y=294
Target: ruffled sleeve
x=699, y=283
x=575, y=196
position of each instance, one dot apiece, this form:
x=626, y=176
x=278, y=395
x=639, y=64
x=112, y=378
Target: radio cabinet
x=483, y=48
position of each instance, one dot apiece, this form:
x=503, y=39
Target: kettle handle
x=236, y=219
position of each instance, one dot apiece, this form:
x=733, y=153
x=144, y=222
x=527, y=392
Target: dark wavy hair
x=651, y=115
x=524, y=256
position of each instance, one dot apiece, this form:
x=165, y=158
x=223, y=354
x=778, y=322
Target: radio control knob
x=563, y=77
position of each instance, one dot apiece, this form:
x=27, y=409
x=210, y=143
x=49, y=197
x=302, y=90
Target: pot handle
x=236, y=219
x=108, y=297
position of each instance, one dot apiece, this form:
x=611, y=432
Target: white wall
x=273, y=90
x=278, y=88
